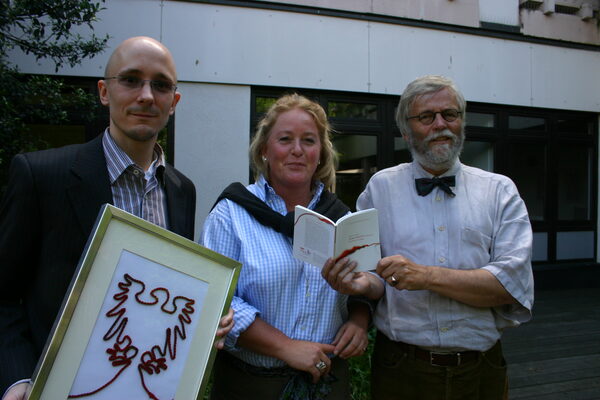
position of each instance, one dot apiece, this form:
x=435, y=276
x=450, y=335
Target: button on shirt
x=286, y=293
x=484, y=226
x=134, y=190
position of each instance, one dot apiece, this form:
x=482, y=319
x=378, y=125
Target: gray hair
x=425, y=85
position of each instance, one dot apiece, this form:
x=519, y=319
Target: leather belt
x=446, y=359
x=434, y=358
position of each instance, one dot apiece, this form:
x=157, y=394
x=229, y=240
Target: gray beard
x=440, y=157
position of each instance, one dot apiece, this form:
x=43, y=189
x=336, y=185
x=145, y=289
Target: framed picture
x=140, y=317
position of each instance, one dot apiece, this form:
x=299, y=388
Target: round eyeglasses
x=133, y=83
x=427, y=117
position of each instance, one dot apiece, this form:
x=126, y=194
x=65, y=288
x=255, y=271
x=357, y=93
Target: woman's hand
x=342, y=278
x=306, y=356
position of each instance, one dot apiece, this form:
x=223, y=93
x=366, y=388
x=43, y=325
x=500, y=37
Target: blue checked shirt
x=286, y=293
x=134, y=190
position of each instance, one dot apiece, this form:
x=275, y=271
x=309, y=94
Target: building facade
x=529, y=69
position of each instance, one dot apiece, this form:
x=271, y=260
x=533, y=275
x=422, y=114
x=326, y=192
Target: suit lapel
x=89, y=185
x=175, y=201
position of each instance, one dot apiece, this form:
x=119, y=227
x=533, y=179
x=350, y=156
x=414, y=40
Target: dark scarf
x=328, y=205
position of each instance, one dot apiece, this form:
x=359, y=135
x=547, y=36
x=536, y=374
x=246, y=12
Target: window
x=338, y=109
x=549, y=154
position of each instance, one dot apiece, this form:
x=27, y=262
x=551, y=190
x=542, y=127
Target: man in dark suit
x=54, y=196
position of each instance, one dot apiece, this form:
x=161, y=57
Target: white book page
x=313, y=236
x=357, y=237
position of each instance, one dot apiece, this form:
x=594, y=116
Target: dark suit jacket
x=52, y=201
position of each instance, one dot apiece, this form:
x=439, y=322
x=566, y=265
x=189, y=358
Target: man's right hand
x=17, y=392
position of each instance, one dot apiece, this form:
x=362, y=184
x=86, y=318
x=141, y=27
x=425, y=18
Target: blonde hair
x=325, y=171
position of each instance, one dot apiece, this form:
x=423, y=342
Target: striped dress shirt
x=286, y=293
x=134, y=190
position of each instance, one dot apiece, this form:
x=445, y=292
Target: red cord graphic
x=351, y=250
x=122, y=351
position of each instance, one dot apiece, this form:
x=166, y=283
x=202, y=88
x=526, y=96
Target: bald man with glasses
x=53, y=198
x=456, y=268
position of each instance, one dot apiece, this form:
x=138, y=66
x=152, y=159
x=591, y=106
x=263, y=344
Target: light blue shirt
x=484, y=226
x=286, y=293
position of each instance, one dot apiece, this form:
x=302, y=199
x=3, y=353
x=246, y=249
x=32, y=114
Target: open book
x=317, y=238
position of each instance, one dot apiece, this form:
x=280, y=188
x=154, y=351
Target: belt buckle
x=432, y=355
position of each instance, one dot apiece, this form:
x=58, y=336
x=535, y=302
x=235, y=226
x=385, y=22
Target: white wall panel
x=499, y=12
x=235, y=45
x=484, y=68
x=211, y=139
x=565, y=78
x=258, y=47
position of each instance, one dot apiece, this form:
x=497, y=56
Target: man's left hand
x=403, y=274
x=351, y=340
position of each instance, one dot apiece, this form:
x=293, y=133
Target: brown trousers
x=398, y=375
x=233, y=381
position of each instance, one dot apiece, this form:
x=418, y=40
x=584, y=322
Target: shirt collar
x=269, y=192
x=118, y=161
x=419, y=172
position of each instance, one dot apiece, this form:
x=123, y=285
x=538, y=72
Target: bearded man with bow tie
x=456, y=242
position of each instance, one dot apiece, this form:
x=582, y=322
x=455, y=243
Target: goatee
x=437, y=157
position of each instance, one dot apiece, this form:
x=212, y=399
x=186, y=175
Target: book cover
x=356, y=235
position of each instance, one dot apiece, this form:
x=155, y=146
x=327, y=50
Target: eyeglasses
x=427, y=117
x=133, y=83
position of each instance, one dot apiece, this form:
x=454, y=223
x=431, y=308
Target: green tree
x=43, y=29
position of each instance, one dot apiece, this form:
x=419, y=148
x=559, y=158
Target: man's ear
x=176, y=99
x=103, y=92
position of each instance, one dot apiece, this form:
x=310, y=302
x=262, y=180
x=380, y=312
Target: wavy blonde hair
x=325, y=171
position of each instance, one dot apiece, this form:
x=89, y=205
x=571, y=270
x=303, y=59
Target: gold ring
x=394, y=281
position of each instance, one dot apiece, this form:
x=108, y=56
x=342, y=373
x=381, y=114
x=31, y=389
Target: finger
x=392, y=280
x=227, y=319
x=327, y=267
x=339, y=270
x=330, y=272
x=346, y=275
x=322, y=365
x=327, y=361
x=361, y=348
x=338, y=335
x=224, y=331
x=345, y=338
x=326, y=348
x=316, y=374
x=382, y=264
x=387, y=270
x=353, y=347
x=220, y=344
x=349, y=267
